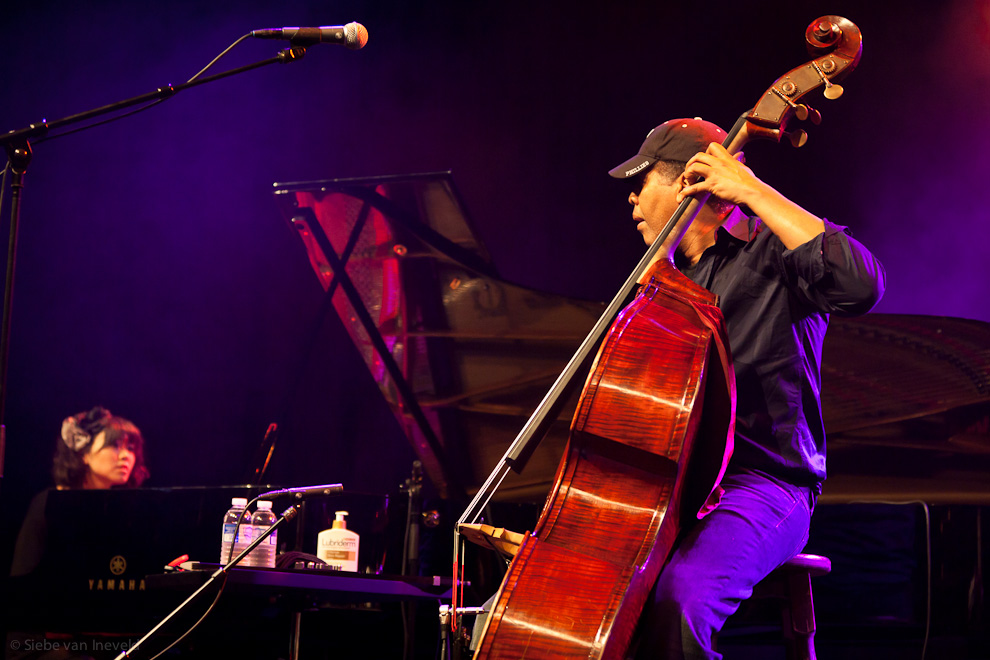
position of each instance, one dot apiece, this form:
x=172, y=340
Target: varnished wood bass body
x=661, y=386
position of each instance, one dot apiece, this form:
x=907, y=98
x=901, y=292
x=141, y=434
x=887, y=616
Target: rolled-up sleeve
x=835, y=273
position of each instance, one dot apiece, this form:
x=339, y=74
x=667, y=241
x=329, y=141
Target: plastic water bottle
x=230, y=537
x=264, y=555
x=243, y=538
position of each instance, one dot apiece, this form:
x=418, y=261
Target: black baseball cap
x=677, y=139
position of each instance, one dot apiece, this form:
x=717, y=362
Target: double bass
x=652, y=433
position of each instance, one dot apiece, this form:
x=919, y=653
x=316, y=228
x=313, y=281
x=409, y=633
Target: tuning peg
x=801, y=111
x=832, y=91
x=807, y=112
x=797, y=138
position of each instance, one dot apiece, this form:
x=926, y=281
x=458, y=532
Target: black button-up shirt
x=776, y=304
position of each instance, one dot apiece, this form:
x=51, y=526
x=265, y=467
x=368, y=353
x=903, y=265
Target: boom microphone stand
x=17, y=144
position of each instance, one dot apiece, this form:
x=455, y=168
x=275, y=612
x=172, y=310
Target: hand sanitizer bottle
x=338, y=546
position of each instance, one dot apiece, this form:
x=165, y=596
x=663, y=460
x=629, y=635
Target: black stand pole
x=19, y=155
x=288, y=514
x=18, y=147
x=410, y=554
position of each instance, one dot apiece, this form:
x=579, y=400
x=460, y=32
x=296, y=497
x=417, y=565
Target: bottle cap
x=238, y=501
x=264, y=504
x=339, y=522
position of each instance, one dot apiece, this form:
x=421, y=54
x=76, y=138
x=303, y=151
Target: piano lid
x=883, y=372
x=463, y=357
x=906, y=402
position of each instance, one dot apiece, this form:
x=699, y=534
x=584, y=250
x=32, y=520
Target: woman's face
x=108, y=465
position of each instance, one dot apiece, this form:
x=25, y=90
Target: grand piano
x=463, y=357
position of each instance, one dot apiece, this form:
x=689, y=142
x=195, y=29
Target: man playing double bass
x=778, y=275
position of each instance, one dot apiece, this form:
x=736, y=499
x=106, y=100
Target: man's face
x=653, y=205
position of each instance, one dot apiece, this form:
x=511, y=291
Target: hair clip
x=73, y=436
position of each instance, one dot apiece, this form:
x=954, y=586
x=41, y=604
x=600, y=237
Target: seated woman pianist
x=96, y=450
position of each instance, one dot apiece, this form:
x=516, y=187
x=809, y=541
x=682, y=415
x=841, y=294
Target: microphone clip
x=291, y=54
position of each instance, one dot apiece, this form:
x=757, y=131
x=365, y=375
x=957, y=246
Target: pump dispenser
x=338, y=546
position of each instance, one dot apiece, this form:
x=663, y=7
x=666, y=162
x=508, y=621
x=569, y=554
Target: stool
x=791, y=583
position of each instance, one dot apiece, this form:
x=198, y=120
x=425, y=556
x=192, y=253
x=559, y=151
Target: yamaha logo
x=118, y=565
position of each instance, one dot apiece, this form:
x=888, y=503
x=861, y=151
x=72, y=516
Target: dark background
x=156, y=277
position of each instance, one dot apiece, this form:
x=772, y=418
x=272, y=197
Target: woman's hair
x=78, y=434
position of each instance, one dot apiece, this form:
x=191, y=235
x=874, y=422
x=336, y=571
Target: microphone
x=303, y=492
x=352, y=35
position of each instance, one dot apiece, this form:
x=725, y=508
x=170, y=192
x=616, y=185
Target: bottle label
x=338, y=555
x=228, y=533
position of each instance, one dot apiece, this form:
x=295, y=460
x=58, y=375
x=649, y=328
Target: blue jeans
x=760, y=523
